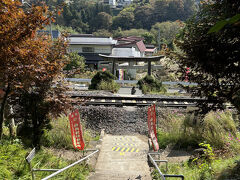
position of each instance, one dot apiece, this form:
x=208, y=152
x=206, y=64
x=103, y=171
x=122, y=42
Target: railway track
x=138, y=101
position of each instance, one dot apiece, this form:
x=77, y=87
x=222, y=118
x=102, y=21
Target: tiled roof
x=150, y=50
x=141, y=46
x=130, y=38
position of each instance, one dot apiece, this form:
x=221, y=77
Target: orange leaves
x=27, y=58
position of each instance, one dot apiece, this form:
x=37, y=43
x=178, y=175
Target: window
x=87, y=49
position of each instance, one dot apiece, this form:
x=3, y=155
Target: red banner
x=152, y=127
x=76, y=130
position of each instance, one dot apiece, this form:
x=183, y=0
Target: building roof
x=91, y=40
x=151, y=50
x=131, y=41
x=91, y=58
x=81, y=35
x=55, y=33
x=126, y=59
x=141, y=46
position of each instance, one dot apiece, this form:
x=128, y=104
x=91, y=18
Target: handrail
x=156, y=166
x=159, y=171
x=71, y=165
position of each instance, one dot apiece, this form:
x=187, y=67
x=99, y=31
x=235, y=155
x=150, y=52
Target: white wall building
x=124, y=2
x=112, y=3
x=90, y=47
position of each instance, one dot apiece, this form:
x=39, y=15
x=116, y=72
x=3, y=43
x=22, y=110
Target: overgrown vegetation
x=104, y=80
x=150, y=85
x=14, y=166
x=187, y=130
x=216, y=133
x=222, y=169
x=60, y=134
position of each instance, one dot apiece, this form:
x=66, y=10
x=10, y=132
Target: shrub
x=104, y=80
x=150, y=84
x=104, y=85
x=76, y=61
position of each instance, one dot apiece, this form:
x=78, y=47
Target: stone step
x=119, y=176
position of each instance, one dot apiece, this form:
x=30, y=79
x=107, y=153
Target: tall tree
x=27, y=60
x=166, y=31
x=103, y=21
x=125, y=19
x=213, y=58
x=143, y=16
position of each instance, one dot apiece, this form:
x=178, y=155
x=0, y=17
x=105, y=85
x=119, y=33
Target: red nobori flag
x=76, y=130
x=152, y=127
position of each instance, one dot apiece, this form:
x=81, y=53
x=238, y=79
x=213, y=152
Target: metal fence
x=154, y=162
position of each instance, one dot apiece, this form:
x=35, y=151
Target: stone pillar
x=113, y=68
x=149, y=68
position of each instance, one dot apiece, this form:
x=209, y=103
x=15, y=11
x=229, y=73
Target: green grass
x=218, y=129
x=183, y=130
x=60, y=135
x=220, y=169
x=14, y=166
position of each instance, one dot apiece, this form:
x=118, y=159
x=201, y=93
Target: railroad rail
x=176, y=102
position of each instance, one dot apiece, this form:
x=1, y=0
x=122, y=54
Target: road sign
x=76, y=130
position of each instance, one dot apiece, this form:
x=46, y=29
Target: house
x=111, y=3
x=90, y=47
x=132, y=41
x=150, y=50
x=124, y=3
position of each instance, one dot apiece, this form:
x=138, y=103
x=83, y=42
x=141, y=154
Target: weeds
x=184, y=130
x=14, y=166
x=60, y=135
x=221, y=169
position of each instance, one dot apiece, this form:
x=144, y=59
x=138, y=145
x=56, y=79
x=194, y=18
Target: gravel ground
x=115, y=120
x=108, y=93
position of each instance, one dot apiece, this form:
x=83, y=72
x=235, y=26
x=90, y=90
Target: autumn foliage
x=30, y=63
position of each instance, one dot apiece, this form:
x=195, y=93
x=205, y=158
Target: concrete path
x=122, y=158
x=127, y=91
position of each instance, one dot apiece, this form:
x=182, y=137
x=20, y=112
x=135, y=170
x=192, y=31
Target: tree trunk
x=8, y=117
x=2, y=110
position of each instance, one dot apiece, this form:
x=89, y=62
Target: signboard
x=76, y=130
x=152, y=127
